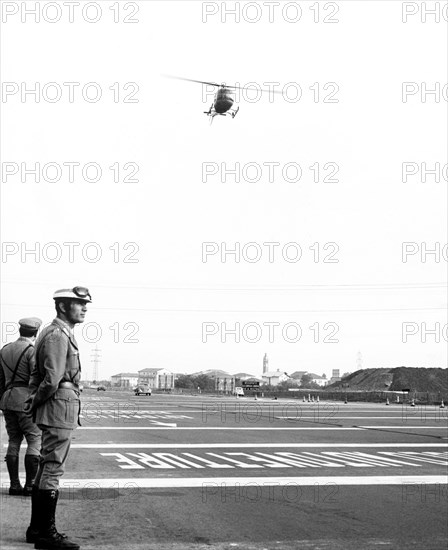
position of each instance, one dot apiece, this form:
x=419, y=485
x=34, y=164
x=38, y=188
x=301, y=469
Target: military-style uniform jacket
x=14, y=387
x=57, y=361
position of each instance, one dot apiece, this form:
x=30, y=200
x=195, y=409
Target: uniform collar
x=64, y=326
x=25, y=339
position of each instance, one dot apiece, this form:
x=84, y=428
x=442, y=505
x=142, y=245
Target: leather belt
x=19, y=385
x=69, y=386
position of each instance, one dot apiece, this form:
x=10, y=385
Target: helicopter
x=223, y=101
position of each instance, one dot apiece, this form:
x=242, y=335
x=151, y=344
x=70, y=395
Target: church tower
x=265, y=363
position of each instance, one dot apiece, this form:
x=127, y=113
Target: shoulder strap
x=2, y=359
x=10, y=383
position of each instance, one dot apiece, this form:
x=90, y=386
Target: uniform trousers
x=54, y=453
x=20, y=425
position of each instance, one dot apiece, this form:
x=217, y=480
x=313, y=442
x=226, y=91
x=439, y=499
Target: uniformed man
x=55, y=403
x=16, y=364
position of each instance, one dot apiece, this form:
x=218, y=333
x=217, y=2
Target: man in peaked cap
x=16, y=364
x=54, y=402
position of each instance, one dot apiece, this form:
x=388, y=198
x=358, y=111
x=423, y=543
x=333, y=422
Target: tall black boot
x=33, y=531
x=49, y=538
x=31, y=467
x=12, y=462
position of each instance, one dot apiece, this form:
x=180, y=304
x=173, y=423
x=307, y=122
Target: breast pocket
x=73, y=357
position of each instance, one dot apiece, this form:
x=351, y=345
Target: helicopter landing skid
x=212, y=113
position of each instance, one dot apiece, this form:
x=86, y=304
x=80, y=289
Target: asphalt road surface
x=175, y=472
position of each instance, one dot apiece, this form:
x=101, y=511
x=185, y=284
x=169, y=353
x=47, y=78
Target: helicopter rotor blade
x=256, y=88
x=223, y=85
x=191, y=80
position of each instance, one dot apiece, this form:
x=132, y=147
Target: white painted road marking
x=275, y=459
x=329, y=418
x=203, y=482
x=337, y=417
x=270, y=428
x=243, y=445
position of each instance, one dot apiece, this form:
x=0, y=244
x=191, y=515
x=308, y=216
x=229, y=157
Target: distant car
x=101, y=388
x=239, y=392
x=81, y=387
x=142, y=389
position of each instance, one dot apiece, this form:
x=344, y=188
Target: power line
x=187, y=310
x=253, y=288
x=95, y=361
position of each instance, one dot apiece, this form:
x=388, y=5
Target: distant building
x=125, y=380
x=212, y=372
x=335, y=376
x=223, y=381
x=318, y=379
x=274, y=378
x=225, y=384
x=297, y=375
x=157, y=378
x=265, y=363
x=244, y=376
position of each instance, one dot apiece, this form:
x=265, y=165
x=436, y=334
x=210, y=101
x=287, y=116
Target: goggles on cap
x=82, y=292
x=78, y=292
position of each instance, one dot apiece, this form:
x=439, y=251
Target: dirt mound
x=395, y=379
x=420, y=379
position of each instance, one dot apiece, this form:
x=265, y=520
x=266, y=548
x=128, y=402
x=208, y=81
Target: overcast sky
x=161, y=296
